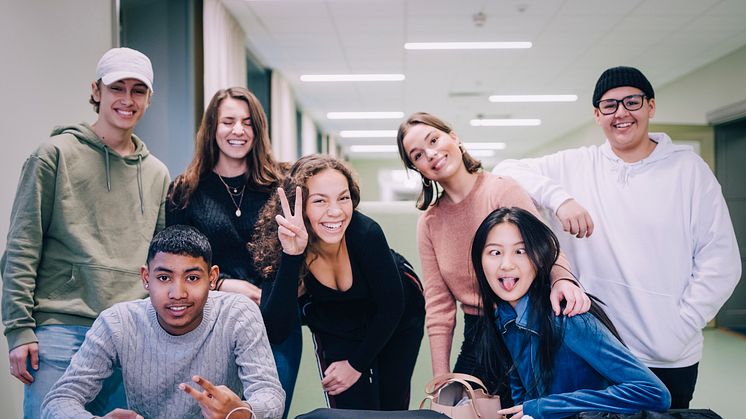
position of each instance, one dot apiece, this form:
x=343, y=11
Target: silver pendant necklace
x=234, y=192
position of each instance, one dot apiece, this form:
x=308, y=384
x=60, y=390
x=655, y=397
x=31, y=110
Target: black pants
x=468, y=363
x=680, y=383
x=386, y=384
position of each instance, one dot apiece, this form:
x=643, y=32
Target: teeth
x=236, y=142
x=125, y=113
x=179, y=308
x=332, y=226
x=624, y=125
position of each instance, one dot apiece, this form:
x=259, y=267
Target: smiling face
x=627, y=131
x=328, y=205
x=507, y=266
x=434, y=153
x=121, y=104
x=234, y=134
x=178, y=286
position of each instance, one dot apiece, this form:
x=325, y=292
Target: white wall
x=282, y=120
x=49, y=55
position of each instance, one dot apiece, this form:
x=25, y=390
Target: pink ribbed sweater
x=444, y=234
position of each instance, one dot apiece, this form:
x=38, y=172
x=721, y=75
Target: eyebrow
x=500, y=245
x=427, y=137
x=167, y=270
x=325, y=195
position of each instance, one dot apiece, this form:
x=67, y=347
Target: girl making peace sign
x=366, y=327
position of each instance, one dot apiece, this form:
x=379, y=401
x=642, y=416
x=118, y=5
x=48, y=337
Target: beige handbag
x=446, y=390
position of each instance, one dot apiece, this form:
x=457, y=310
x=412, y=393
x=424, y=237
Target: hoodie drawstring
x=106, y=165
x=139, y=178
x=139, y=183
x=623, y=176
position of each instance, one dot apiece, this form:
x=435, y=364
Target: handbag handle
x=442, y=380
x=422, y=403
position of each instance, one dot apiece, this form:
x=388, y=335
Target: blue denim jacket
x=593, y=371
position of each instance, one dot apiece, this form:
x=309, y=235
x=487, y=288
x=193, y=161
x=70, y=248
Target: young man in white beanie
x=653, y=237
x=88, y=202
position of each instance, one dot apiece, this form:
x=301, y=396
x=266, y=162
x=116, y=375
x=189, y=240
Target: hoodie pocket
x=94, y=288
x=649, y=320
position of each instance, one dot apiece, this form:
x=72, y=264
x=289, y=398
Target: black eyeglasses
x=630, y=103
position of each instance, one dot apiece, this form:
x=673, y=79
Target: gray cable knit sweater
x=229, y=347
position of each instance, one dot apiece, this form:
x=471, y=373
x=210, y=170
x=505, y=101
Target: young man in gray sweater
x=183, y=352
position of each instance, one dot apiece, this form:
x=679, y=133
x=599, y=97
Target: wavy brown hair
x=263, y=172
x=265, y=246
x=430, y=189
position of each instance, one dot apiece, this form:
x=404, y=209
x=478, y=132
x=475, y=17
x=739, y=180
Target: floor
x=721, y=385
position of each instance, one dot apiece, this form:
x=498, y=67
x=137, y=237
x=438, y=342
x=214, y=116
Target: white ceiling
x=573, y=42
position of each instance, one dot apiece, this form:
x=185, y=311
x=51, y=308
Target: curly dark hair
x=264, y=246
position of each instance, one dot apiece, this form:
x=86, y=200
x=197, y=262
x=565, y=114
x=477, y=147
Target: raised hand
x=575, y=219
x=290, y=228
x=215, y=401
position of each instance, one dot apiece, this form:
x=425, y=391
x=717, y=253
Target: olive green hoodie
x=81, y=223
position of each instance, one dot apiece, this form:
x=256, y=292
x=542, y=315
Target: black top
x=212, y=212
x=368, y=312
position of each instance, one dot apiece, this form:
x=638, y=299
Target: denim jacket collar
x=505, y=314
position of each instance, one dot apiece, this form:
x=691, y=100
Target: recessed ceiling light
x=352, y=77
x=374, y=148
x=533, y=98
x=485, y=146
x=467, y=45
x=364, y=115
x=505, y=122
x=382, y=133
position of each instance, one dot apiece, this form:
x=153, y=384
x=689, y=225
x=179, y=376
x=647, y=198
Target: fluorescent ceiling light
x=505, y=122
x=475, y=149
x=383, y=133
x=485, y=146
x=467, y=45
x=352, y=77
x=374, y=148
x=364, y=115
x=533, y=98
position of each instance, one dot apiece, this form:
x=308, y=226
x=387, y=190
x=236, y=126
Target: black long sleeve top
x=212, y=212
x=368, y=312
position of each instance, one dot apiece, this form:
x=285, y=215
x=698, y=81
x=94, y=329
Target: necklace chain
x=233, y=193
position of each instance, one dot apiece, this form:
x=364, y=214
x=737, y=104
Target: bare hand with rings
x=290, y=228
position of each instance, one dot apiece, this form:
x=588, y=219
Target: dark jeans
x=287, y=359
x=680, y=383
x=468, y=362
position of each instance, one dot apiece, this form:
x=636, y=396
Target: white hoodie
x=663, y=255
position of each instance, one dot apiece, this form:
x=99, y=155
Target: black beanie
x=619, y=77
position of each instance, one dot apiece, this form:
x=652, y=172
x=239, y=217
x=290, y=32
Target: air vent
x=466, y=94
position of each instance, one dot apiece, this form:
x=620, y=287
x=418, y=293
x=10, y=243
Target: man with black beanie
x=662, y=253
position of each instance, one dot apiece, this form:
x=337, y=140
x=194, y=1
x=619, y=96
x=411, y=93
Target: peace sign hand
x=290, y=228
